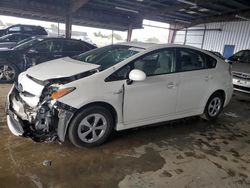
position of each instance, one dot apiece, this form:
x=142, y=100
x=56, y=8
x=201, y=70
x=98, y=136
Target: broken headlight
x=61, y=92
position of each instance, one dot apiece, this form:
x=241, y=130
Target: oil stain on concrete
x=186, y=153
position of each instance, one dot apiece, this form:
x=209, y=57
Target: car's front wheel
x=91, y=127
x=8, y=73
x=214, y=106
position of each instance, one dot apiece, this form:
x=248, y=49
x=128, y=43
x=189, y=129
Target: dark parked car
x=26, y=29
x=35, y=51
x=10, y=40
x=218, y=54
x=241, y=56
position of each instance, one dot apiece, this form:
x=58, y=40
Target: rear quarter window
x=210, y=61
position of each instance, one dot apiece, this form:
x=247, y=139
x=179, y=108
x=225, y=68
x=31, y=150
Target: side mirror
x=137, y=75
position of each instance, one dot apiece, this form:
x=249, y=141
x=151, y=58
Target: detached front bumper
x=20, y=126
x=13, y=121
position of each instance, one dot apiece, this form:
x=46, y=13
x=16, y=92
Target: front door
x=44, y=51
x=156, y=96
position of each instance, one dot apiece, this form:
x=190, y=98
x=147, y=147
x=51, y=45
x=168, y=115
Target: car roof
x=146, y=46
x=44, y=37
x=25, y=25
x=18, y=34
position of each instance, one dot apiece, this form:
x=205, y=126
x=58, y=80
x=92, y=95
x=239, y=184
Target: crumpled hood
x=59, y=68
x=241, y=67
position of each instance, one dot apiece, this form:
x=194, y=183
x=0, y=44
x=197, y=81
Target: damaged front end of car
x=33, y=109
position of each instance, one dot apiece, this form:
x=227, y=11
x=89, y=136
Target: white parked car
x=116, y=87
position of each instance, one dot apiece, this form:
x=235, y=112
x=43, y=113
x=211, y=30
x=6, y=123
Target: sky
x=139, y=34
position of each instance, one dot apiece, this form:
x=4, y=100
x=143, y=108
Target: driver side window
x=156, y=63
x=43, y=47
x=48, y=46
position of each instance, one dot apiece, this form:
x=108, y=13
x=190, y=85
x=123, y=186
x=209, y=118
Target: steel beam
x=129, y=34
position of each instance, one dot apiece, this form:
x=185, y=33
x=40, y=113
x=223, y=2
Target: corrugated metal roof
x=118, y=14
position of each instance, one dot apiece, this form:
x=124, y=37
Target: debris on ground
x=47, y=163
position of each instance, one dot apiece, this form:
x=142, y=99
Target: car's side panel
x=85, y=93
x=150, y=99
x=221, y=80
x=193, y=87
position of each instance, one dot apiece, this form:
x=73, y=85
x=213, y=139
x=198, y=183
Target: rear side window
x=74, y=46
x=210, y=61
x=189, y=60
x=27, y=28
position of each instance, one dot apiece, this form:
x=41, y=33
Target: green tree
x=99, y=34
x=135, y=40
x=153, y=39
x=117, y=36
x=54, y=27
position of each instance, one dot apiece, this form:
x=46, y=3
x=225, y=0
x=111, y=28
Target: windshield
x=108, y=56
x=242, y=56
x=239, y=54
x=27, y=44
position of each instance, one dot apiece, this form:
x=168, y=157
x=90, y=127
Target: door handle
x=171, y=85
x=206, y=78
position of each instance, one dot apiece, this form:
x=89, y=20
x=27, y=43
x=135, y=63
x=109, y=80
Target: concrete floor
x=188, y=153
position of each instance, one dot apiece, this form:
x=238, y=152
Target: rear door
x=194, y=79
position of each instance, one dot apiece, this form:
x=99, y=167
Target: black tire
x=83, y=115
x=12, y=76
x=208, y=112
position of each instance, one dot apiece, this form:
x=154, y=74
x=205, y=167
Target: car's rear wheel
x=214, y=106
x=91, y=127
x=8, y=73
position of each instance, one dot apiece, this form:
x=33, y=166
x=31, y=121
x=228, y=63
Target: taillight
x=230, y=69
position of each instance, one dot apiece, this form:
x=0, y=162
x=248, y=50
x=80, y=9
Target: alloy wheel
x=92, y=128
x=7, y=73
x=214, y=106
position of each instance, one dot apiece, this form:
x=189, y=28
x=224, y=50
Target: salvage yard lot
x=186, y=153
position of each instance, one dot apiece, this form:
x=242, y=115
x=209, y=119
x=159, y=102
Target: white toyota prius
x=116, y=87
